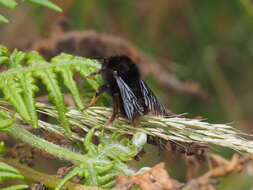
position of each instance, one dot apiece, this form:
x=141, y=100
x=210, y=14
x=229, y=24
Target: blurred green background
x=207, y=42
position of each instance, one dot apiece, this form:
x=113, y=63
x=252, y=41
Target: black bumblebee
x=131, y=95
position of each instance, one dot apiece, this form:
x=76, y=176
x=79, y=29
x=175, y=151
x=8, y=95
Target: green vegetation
x=207, y=43
x=11, y=4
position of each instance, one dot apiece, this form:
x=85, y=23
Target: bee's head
x=120, y=64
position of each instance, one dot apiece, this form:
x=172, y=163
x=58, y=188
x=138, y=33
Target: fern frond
x=11, y=4
x=16, y=58
x=3, y=19
x=8, y=172
x=27, y=83
x=68, y=177
x=109, y=157
x=5, y=121
x=49, y=78
x=15, y=187
x=69, y=82
x=100, y=164
x=81, y=65
x=5, y=124
x=12, y=91
x=2, y=148
x=3, y=54
x=20, y=89
x=45, y=3
x=18, y=83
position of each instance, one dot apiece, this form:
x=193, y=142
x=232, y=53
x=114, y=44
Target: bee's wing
x=151, y=102
x=130, y=102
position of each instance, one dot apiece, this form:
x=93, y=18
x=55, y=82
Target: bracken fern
x=106, y=160
x=11, y=4
x=18, y=83
x=8, y=172
x=100, y=163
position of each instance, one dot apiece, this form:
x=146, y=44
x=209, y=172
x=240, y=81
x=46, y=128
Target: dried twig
x=223, y=168
x=157, y=178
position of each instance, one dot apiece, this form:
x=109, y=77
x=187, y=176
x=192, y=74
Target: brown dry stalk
x=157, y=177
x=223, y=168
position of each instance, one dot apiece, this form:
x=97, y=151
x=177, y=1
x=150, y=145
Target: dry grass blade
x=180, y=130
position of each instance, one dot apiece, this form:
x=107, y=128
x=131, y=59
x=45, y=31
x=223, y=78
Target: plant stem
x=50, y=181
x=56, y=150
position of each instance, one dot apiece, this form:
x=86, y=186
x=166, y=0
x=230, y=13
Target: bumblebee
x=131, y=96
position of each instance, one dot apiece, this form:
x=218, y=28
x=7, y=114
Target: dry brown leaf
x=156, y=178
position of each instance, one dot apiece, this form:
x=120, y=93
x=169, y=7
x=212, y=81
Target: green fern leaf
x=3, y=20
x=13, y=93
x=49, y=78
x=69, y=82
x=68, y=177
x=3, y=50
x=5, y=123
x=15, y=187
x=2, y=148
x=29, y=88
x=10, y=175
x=11, y=86
x=82, y=65
x=25, y=83
x=8, y=172
x=3, y=59
x=45, y=3
x=3, y=53
x=34, y=59
x=106, y=160
x=7, y=168
x=9, y=4
x=18, y=83
x=16, y=58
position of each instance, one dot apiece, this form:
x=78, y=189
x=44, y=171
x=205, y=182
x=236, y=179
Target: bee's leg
x=136, y=121
x=93, y=74
x=115, y=110
x=100, y=91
